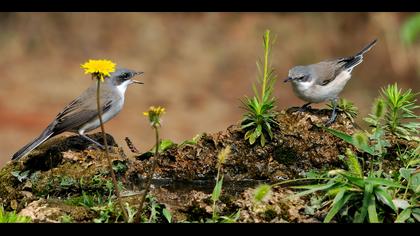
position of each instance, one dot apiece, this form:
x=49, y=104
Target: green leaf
x=313, y=188
x=406, y=172
x=415, y=183
x=339, y=201
x=347, y=138
x=403, y=216
x=167, y=214
x=262, y=140
x=359, y=182
x=373, y=215
x=416, y=213
x=164, y=145
x=382, y=181
x=217, y=190
x=366, y=200
x=20, y=175
x=248, y=134
x=231, y=218
x=252, y=138
x=385, y=197
x=258, y=130
x=246, y=125
x=261, y=192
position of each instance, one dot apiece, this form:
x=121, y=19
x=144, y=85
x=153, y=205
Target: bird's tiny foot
x=304, y=108
x=330, y=121
x=93, y=147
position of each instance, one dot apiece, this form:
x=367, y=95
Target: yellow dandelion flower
x=99, y=68
x=154, y=114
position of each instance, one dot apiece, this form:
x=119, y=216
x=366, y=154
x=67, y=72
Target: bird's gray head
x=299, y=74
x=124, y=77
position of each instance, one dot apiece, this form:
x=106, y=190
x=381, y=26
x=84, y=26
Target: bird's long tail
x=358, y=58
x=47, y=133
x=367, y=48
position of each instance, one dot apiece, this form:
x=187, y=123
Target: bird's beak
x=136, y=81
x=287, y=79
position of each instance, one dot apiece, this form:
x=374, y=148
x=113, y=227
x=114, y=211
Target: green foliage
x=400, y=107
x=167, y=214
x=217, y=191
x=119, y=166
x=165, y=144
x=192, y=141
x=106, y=212
x=21, y=176
x=131, y=211
x=350, y=139
x=66, y=219
x=88, y=200
x=410, y=29
x=260, y=116
x=347, y=107
x=361, y=195
x=12, y=217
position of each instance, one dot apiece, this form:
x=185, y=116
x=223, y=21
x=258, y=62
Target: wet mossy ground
x=47, y=184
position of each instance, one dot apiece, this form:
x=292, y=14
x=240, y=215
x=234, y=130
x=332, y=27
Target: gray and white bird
x=325, y=80
x=81, y=115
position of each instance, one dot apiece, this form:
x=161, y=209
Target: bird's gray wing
x=327, y=71
x=76, y=114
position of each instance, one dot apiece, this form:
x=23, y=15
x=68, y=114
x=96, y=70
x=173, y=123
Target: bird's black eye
x=302, y=78
x=125, y=75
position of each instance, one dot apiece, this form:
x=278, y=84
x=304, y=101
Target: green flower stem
x=149, y=178
x=114, y=179
x=266, y=45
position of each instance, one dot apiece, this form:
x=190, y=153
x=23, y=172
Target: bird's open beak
x=287, y=79
x=136, y=81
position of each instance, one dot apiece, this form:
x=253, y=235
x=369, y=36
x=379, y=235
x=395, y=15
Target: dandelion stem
x=114, y=179
x=149, y=178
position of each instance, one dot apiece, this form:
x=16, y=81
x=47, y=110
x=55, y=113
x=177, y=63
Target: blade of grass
x=339, y=201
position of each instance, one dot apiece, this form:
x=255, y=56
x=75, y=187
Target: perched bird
x=81, y=115
x=325, y=80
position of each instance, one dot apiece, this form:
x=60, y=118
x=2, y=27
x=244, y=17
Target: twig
x=114, y=179
x=149, y=178
x=131, y=146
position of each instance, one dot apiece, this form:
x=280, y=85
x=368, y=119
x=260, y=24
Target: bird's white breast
x=315, y=93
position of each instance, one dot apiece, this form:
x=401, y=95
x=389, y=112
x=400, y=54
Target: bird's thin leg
x=334, y=112
x=304, y=107
x=93, y=141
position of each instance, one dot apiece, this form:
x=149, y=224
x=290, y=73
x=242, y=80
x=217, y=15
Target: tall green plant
x=260, y=116
x=400, y=107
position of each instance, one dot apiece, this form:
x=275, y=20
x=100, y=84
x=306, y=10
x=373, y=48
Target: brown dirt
x=64, y=168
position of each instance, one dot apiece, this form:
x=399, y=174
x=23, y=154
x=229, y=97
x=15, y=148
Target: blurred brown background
x=197, y=65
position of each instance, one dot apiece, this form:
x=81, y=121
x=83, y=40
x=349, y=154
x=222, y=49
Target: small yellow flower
x=154, y=114
x=99, y=68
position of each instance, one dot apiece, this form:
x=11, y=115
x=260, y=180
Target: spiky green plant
x=351, y=190
x=12, y=217
x=347, y=107
x=400, y=107
x=260, y=116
